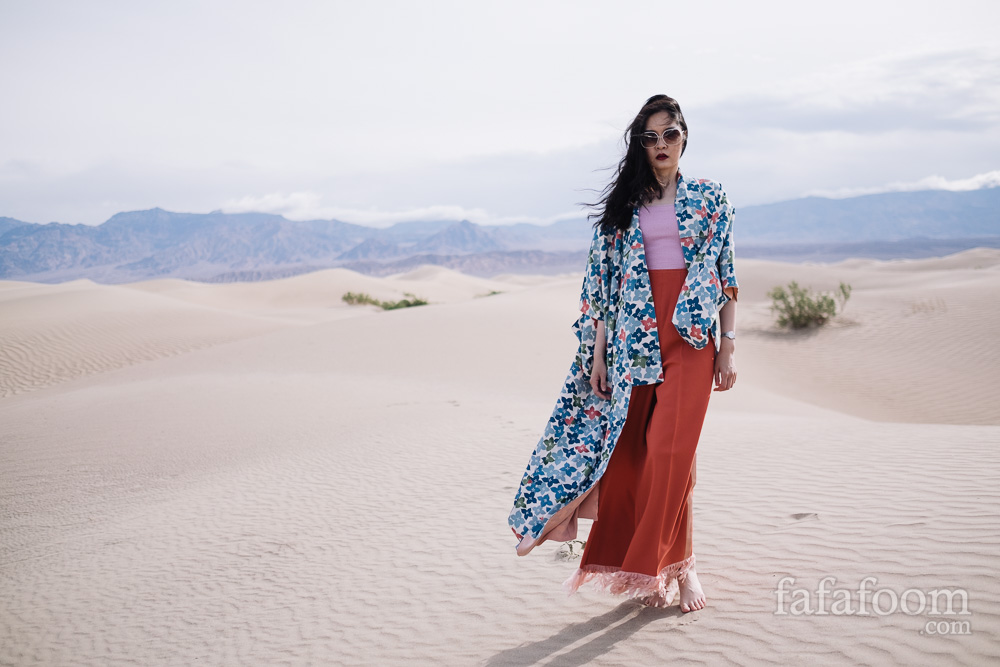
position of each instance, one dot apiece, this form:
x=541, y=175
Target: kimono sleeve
x=594, y=301
x=596, y=278
x=727, y=255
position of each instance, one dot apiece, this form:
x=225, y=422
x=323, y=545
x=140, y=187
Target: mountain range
x=221, y=247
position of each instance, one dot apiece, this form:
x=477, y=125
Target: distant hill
x=891, y=216
x=218, y=246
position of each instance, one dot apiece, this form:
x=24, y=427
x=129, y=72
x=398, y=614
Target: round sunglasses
x=671, y=137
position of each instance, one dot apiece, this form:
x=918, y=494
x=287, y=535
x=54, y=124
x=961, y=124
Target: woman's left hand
x=725, y=367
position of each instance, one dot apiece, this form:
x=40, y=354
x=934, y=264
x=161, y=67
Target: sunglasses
x=671, y=137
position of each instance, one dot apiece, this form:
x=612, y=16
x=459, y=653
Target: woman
x=659, y=286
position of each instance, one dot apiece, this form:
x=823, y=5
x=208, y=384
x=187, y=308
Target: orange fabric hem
x=660, y=589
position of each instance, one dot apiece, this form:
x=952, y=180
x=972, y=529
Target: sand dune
x=52, y=333
x=910, y=346
x=234, y=474
x=973, y=258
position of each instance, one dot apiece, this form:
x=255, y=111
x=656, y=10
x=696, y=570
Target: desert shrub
x=568, y=550
x=362, y=298
x=404, y=303
x=798, y=308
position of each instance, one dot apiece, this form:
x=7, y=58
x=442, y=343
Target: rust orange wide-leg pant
x=641, y=543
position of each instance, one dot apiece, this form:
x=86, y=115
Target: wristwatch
x=731, y=335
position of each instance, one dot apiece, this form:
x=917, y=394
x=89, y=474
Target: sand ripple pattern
x=52, y=334
x=337, y=494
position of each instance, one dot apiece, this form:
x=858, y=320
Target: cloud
x=990, y=179
x=926, y=92
x=307, y=206
x=295, y=205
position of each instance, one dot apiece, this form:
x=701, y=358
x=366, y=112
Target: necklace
x=663, y=184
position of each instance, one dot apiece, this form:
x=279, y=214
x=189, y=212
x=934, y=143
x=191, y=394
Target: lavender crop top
x=661, y=237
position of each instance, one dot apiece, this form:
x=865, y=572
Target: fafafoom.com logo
x=866, y=600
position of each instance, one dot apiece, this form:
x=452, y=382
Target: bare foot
x=692, y=597
x=654, y=600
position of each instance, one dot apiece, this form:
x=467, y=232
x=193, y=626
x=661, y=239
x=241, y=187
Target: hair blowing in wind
x=634, y=182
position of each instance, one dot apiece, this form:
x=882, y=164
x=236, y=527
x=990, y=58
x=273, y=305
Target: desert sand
x=260, y=474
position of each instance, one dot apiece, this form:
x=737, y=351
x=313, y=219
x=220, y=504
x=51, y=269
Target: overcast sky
x=374, y=112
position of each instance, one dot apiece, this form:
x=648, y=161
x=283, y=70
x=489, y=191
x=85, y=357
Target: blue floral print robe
x=580, y=436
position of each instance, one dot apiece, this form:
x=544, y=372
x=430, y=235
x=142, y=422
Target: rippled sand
x=260, y=474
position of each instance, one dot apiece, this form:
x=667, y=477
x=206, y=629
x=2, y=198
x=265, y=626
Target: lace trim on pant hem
x=657, y=591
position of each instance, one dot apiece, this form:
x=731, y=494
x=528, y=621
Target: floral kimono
x=581, y=433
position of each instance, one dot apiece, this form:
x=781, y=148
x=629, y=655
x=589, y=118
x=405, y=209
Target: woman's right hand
x=599, y=377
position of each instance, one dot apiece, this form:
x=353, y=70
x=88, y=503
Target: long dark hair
x=635, y=183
